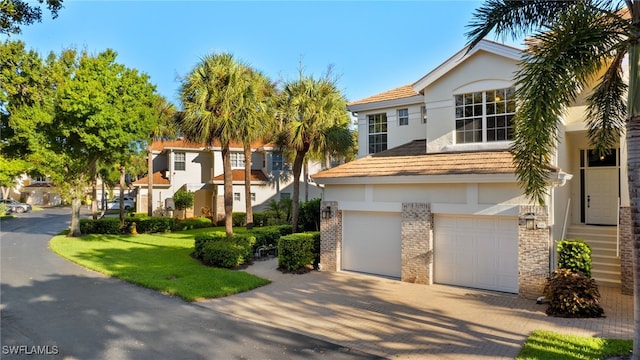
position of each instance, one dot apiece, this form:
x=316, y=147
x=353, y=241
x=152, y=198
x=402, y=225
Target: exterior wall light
x=530, y=221
x=326, y=212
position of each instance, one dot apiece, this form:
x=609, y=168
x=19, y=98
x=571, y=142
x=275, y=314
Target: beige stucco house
x=433, y=197
x=195, y=167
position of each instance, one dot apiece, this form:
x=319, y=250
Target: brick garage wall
x=417, y=243
x=533, y=253
x=626, y=251
x=330, y=237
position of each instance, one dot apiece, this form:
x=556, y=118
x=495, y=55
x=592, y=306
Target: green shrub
x=309, y=218
x=238, y=219
x=572, y=294
x=194, y=223
x=224, y=254
x=575, y=255
x=267, y=235
x=296, y=251
x=3, y=209
x=201, y=239
x=183, y=199
x=154, y=224
x=261, y=218
x=100, y=226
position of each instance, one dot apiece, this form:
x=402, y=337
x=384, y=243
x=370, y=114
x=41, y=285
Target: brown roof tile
x=238, y=175
x=397, y=93
x=160, y=145
x=158, y=179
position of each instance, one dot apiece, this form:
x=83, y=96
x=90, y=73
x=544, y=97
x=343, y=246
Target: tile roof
x=397, y=93
x=160, y=145
x=158, y=179
x=411, y=159
x=238, y=175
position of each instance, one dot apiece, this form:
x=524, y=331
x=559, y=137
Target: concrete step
x=603, y=241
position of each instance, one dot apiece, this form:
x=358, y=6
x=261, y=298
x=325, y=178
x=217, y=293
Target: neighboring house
x=195, y=167
x=37, y=191
x=434, y=198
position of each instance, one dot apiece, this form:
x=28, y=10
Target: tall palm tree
x=165, y=129
x=311, y=109
x=257, y=122
x=572, y=43
x=216, y=95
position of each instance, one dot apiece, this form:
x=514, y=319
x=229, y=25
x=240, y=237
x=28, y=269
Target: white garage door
x=476, y=251
x=371, y=242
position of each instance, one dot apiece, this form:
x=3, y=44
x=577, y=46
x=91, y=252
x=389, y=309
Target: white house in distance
x=195, y=167
x=433, y=197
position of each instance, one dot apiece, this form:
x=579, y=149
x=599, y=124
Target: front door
x=601, y=189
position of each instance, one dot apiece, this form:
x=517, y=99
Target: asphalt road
x=54, y=309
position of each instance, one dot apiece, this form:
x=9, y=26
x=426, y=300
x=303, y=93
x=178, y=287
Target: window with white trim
x=485, y=116
x=277, y=161
x=236, y=196
x=179, y=161
x=423, y=111
x=403, y=117
x=377, y=132
x=237, y=160
x=253, y=196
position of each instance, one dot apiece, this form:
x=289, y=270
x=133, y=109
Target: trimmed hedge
x=245, y=242
x=296, y=251
x=144, y=224
x=575, y=255
x=224, y=254
x=201, y=240
x=100, y=226
x=193, y=223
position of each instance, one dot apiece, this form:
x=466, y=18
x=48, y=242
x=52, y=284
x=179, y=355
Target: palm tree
x=573, y=43
x=165, y=129
x=216, y=95
x=256, y=123
x=311, y=109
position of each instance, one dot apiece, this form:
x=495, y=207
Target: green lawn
x=159, y=261
x=543, y=345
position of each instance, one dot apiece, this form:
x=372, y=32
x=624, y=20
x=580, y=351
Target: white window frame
x=236, y=196
x=484, y=116
x=403, y=117
x=179, y=161
x=377, y=132
x=423, y=113
x=253, y=197
x=237, y=160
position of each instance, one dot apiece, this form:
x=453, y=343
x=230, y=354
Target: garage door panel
x=371, y=242
x=476, y=251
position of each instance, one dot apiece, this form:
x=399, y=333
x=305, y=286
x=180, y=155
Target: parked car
x=15, y=206
x=115, y=205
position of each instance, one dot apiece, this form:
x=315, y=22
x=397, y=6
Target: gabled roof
x=463, y=55
x=238, y=177
x=158, y=179
x=403, y=95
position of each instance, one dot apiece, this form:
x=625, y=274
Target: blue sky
x=373, y=46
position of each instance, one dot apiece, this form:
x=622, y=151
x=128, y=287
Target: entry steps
x=604, y=260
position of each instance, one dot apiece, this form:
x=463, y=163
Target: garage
x=371, y=243
x=476, y=251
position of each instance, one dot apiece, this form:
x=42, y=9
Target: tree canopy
x=16, y=13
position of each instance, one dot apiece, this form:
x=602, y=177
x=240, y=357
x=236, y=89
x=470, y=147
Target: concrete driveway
x=400, y=320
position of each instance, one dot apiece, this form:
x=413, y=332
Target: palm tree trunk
x=297, y=169
x=149, y=181
x=247, y=186
x=228, y=191
x=306, y=180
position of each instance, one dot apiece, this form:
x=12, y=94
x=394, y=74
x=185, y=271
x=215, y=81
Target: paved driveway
x=401, y=320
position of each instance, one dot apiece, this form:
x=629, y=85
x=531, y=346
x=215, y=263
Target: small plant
x=572, y=294
x=575, y=255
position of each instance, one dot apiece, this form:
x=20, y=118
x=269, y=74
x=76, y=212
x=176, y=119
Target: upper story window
x=485, y=116
x=237, y=160
x=277, y=161
x=403, y=117
x=40, y=179
x=236, y=196
x=377, y=132
x=179, y=161
x=423, y=111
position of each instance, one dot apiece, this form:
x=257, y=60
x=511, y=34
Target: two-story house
x=195, y=167
x=433, y=197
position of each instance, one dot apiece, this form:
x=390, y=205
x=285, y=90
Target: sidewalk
x=400, y=320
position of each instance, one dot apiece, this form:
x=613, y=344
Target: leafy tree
x=574, y=44
x=10, y=170
x=81, y=110
x=314, y=113
x=183, y=199
x=15, y=13
x=218, y=96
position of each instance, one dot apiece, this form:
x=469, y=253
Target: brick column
x=330, y=237
x=533, y=252
x=626, y=252
x=417, y=243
